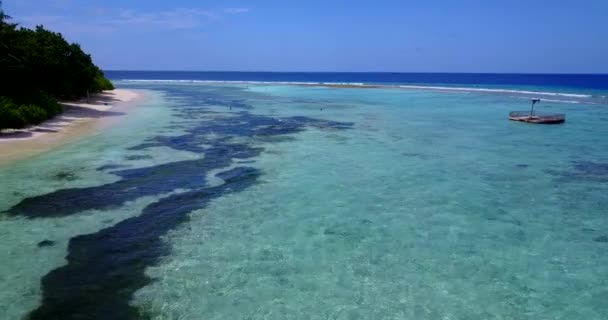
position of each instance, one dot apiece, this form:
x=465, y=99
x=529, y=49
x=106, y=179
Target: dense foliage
x=38, y=67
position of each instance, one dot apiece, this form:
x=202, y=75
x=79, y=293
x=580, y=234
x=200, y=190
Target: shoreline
x=79, y=119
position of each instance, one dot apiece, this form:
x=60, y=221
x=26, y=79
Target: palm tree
x=6, y=29
x=3, y=17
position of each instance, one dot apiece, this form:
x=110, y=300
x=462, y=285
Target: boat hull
x=539, y=120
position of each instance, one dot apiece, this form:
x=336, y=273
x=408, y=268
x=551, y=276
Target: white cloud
x=181, y=18
x=30, y=21
x=99, y=11
x=105, y=21
x=64, y=25
x=237, y=10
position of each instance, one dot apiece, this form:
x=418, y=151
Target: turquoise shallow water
x=314, y=203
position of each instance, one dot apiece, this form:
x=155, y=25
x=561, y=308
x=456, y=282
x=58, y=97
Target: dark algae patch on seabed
x=105, y=268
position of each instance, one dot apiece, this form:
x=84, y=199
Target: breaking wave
x=549, y=96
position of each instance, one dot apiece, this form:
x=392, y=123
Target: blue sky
x=559, y=36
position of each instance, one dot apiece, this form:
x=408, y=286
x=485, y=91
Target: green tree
x=41, y=66
x=3, y=17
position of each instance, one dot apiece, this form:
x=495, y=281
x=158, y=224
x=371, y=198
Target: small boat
x=533, y=117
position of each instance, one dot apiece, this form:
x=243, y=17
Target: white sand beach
x=79, y=119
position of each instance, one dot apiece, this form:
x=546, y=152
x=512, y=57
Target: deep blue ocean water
x=585, y=81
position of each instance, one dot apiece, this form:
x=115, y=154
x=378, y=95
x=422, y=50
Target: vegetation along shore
x=39, y=68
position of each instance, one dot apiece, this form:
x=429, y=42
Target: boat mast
x=534, y=101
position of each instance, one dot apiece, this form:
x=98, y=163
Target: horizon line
x=388, y=72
